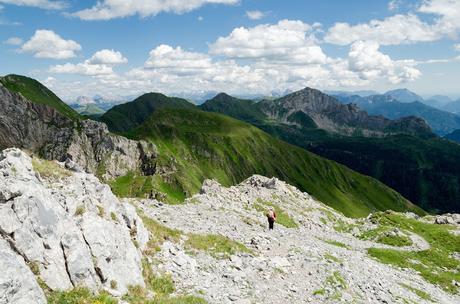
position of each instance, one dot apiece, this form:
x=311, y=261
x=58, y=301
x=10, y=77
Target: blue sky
x=238, y=46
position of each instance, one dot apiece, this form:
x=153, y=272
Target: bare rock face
x=17, y=282
x=72, y=231
x=43, y=130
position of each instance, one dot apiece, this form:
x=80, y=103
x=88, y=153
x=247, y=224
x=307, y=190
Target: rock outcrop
x=329, y=114
x=69, y=229
x=43, y=130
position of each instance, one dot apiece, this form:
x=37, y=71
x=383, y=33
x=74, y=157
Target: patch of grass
x=80, y=296
x=134, y=184
x=330, y=257
x=384, y=235
x=162, y=286
x=80, y=210
x=335, y=283
x=34, y=267
x=180, y=300
x=420, y=293
x=217, y=245
x=337, y=243
x=113, y=284
x=320, y=291
x=49, y=169
x=100, y=211
x=394, y=240
x=344, y=227
x=337, y=279
x=435, y=264
x=113, y=216
x=158, y=234
x=136, y=295
x=282, y=217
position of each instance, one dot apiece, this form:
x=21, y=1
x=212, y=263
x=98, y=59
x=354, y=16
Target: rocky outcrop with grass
x=42, y=129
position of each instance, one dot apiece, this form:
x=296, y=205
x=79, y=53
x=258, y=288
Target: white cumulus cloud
x=44, y=4
x=110, y=9
x=100, y=64
x=14, y=41
x=394, y=5
x=393, y=30
x=400, y=29
x=255, y=15
x=109, y=57
x=288, y=41
x=48, y=44
x=448, y=12
x=82, y=69
x=369, y=63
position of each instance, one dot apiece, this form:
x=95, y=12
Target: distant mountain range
x=311, y=108
x=442, y=122
x=97, y=105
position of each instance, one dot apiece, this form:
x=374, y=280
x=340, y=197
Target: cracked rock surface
x=71, y=231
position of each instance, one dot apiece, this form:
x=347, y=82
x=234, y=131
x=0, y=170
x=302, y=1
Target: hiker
x=271, y=216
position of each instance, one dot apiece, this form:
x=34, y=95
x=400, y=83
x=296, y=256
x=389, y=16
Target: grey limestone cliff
x=43, y=130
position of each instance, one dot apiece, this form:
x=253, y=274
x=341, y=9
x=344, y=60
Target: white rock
x=17, y=282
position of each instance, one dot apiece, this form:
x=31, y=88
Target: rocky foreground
x=61, y=230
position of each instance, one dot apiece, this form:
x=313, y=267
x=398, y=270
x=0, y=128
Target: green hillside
x=196, y=145
x=37, y=93
x=246, y=110
x=127, y=116
x=425, y=170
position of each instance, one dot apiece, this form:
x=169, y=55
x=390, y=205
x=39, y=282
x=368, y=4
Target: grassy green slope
x=426, y=171
x=127, y=116
x=202, y=145
x=242, y=109
x=37, y=93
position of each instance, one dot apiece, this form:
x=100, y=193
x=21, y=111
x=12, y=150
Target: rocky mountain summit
x=62, y=230
x=44, y=130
